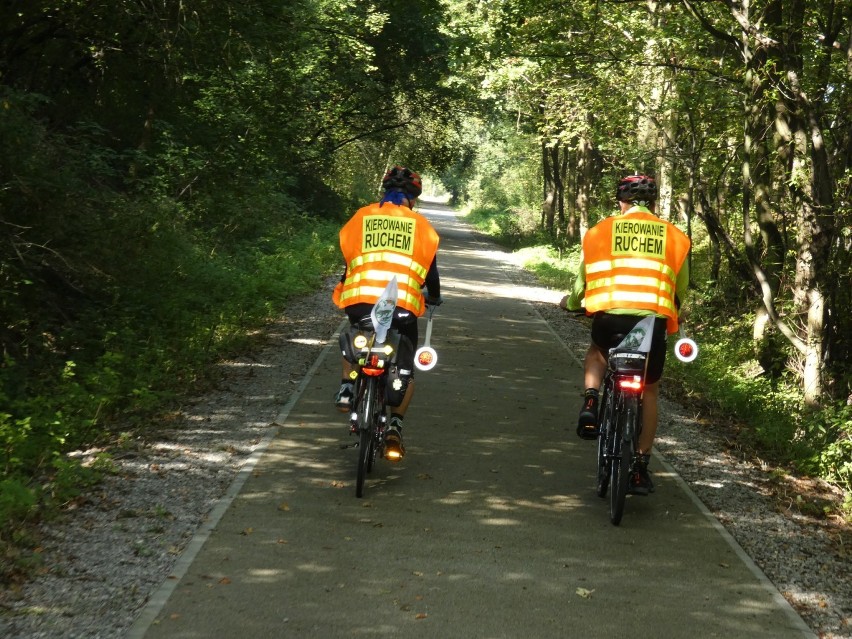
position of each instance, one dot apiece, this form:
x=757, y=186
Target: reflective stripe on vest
x=392, y=258
x=359, y=293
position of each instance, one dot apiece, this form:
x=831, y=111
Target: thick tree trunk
x=584, y=182
x=572, y=182
x=548, y=206
x=558, y=212
x=767, y=256
x=563, y=172
x=814, y=225
x=812, y=190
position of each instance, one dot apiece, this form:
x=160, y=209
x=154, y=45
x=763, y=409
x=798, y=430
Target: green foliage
x=17, y=501
x=554, y=268
x=835, y=457
x=169, y=177
x=768, y=412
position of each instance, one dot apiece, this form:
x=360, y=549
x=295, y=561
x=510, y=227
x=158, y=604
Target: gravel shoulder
x=106, y=556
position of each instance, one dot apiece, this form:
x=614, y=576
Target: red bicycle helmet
x=404, y=180
x=637, y=188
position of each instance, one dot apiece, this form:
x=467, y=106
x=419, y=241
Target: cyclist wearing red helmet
x=633, y=265
x=381, y=241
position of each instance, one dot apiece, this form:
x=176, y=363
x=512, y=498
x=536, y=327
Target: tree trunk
x=584, y=182
x=548, y=207
x=812, y=188
x=766, y=257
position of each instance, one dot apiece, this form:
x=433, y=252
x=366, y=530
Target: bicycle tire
x=379, y=411
x=366, y=442
x=626, y=414
x=605, y=452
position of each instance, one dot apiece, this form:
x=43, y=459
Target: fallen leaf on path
x=584, y=593
x=224, y=581
x=420, y=615
x=247, y=532
x=284, y=506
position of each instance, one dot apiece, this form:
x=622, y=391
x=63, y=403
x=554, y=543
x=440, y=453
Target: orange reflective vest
x=380, y=242
x=632, y=262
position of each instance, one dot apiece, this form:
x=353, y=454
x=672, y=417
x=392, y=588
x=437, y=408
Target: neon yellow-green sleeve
x=579, y=290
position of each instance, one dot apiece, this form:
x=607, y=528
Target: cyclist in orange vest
x=633, y=265
x=381, y=241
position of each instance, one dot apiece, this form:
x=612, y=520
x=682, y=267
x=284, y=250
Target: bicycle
x=374, y=348
x=620, y=425
x=369, y=415
x=621, y=411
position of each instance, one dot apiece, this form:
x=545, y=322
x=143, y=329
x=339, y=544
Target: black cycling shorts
x=403, y=321
x=609, y=329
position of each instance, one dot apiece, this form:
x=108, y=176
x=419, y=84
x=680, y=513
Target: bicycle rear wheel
x=626, y=415
x=605, y=440
x=367, y=421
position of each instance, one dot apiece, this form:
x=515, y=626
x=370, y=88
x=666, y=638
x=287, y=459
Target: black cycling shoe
x=394, y=450
x=640, y=478
x=587, y=423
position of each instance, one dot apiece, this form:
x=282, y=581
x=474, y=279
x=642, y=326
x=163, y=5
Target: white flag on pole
x=382, y=313
x=640, y=336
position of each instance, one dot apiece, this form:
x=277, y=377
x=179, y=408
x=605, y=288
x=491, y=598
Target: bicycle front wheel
x=367, y=419
x=365, y=452
x=626, y=415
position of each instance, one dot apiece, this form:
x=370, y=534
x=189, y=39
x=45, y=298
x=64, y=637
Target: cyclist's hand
x=563, y=304
x=434, y=301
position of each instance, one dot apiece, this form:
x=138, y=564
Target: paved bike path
x=490, y=526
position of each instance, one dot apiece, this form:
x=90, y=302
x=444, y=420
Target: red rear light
x=685, y=349
x=634, y=384
x=374, y=366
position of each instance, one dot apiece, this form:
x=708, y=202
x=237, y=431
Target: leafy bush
x=117, y=295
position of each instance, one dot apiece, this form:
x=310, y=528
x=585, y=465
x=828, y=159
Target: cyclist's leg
x=345, y=395
x=641, y=482
x=594, y=366
x=649, y=418
x=406, y=324
x=604, y=329
x=656, y=363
